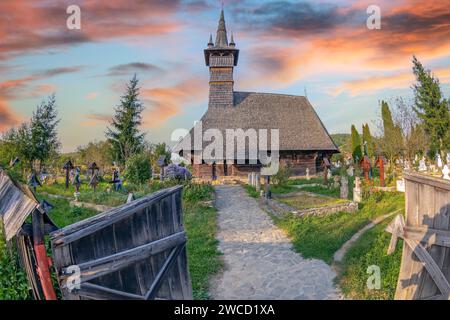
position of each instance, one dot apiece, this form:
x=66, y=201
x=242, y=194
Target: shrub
x=138, y=169
x=282, y=176
x=13, y=281
x=177, y=172
x=197, y=192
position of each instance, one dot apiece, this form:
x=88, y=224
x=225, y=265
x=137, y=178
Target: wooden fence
x=425, y=265
x=135, y=251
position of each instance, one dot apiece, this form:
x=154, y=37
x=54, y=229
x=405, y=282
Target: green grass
x=303, y=181
x=305, y=201
x=282, y=189
x=251, y=191
x=370, y=250
x=203, y=255
x=321, y=237
x=332, y=192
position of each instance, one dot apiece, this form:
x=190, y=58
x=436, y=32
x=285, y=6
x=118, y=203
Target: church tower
x=221, y=57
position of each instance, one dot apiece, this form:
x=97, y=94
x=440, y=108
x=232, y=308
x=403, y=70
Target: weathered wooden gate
x=135, y=251
x=425, y=266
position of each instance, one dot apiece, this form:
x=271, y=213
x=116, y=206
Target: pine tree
x=124, y=135
x=44, y=134
x=367, y=141
x=432, y=108
x=356, y=145
x=392, y=142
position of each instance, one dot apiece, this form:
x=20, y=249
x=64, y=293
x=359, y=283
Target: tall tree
x=432, y=108
x=367, y=141
x=356, y=145
x=392, y=142
x=124, y=134
x=44, y=134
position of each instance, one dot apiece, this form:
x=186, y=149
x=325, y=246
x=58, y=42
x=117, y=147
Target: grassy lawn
x=321, y=237
x=305, y=201
x=203, y=255
x=370, y=250
x=302, y=181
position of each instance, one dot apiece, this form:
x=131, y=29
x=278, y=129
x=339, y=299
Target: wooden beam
x=151, y=294
x=86, y=227
x=102, y=266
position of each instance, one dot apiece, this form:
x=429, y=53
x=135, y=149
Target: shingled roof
x=300, y=127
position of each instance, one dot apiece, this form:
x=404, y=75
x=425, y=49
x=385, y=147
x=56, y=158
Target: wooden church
x=303, y=139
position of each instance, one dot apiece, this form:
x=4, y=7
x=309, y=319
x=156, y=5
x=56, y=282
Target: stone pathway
x=258, y=256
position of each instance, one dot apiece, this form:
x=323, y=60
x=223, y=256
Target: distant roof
x=299, y=126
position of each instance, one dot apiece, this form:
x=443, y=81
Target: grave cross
x=67, y=166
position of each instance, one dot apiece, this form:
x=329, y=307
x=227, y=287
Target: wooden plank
x=99, y=292
x=171, y=259
x=95, y=268
x=87, y=226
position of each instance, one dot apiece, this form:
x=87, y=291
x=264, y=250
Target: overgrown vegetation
x=321, y=237
x=370, y=250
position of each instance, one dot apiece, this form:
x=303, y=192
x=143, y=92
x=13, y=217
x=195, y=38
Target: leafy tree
x=432, y=108
x=392, y=142
x=367, y=141
x=100, y=152
x=138, y=168
x=160, y=149
x=356, y=145
x=44, y=134
x=124, y=135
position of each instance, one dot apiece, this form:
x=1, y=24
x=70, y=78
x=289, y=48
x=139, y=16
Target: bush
x=138, y=169
x=282, y=176
x=197, y=192
x=177, y=172
x=13, y=281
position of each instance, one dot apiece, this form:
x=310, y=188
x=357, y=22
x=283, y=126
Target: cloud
x=132, y=68
x=7, y=118
x=376, y=83
x=296, y=41
x=30, y=25
x=167, y=102
x=95, y=119
x=91, y=95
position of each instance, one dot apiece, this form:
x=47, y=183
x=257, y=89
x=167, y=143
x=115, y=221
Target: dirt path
x=259, y=261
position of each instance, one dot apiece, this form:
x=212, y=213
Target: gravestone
x=336, y=183
x=422, y=165
x=357, y=191
x=307, y=174
x=401, y=185
x=344, y=187
x=448, y=158
x=249, y=179
x=439, y=160
x=350, y=171
x=445, y=172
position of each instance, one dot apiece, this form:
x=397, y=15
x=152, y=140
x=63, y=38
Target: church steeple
x=221, y=36
x=221, y=58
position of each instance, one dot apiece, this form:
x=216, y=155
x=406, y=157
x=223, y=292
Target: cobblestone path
x=259, y=261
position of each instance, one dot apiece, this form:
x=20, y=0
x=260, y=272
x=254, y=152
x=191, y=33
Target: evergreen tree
x=432, y=108
x=44, y=134
x=392, y=142
x=124, y=135
x=356, y=145
x=367, y=141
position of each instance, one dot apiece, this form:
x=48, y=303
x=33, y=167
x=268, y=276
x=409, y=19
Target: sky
x=321, y=48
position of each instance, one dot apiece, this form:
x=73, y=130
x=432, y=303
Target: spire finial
x=232, y=44
x=210, y=42
x=221, y=38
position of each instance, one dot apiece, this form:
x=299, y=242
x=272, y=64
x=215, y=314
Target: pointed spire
x=232, y=44
x=210, y=42
x=221, y=37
